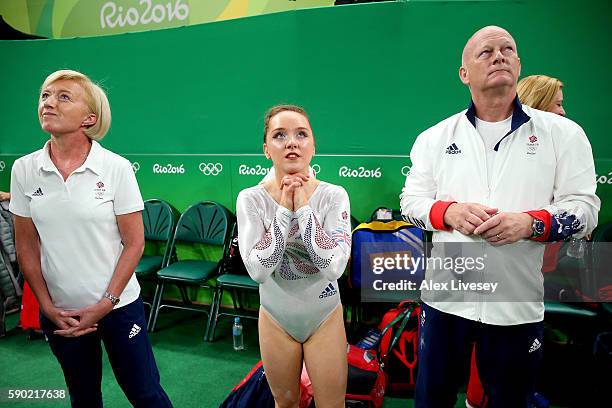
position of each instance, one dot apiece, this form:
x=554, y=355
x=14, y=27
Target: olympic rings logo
x=211, y=169
x=405, y=171
x=2, y=165
x=316, y=169
x=135, y=167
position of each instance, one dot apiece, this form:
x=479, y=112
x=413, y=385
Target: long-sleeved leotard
x=296, y=257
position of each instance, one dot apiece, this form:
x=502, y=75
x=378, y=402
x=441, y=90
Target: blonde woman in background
x=542, y=92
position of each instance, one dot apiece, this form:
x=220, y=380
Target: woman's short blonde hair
x=96, y=100
x=538, y=91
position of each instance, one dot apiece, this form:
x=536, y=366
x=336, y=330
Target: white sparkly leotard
x=296, y=257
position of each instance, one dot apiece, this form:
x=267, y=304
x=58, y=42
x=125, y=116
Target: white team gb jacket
x=545, y=162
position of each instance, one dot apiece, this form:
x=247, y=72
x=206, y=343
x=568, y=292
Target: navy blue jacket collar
x=519, y=118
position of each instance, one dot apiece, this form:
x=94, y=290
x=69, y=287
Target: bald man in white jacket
x=500, y=179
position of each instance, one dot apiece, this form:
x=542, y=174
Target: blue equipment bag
x=387, y=252
x=252, y=391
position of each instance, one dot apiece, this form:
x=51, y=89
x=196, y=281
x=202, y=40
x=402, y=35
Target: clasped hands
x=75, y=323
x=495, y=227
x=293, y=191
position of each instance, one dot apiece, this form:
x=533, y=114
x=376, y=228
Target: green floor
x=193, y=373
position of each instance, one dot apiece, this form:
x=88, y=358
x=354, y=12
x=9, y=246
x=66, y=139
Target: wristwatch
x=537, y=227
x=114, y=299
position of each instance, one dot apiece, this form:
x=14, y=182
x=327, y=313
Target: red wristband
x=436, y=215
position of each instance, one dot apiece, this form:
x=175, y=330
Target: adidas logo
x=453, y=149
x=135, y=330
x=38, y=192
x=536, y=345
x=328, y=291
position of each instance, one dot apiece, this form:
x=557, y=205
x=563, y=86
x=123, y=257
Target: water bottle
x=237, y=334
x=575, y=249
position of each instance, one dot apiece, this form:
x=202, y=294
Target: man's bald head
x=490, y=64
x=477, y=36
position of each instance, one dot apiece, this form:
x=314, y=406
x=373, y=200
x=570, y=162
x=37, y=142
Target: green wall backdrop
x=188, y=102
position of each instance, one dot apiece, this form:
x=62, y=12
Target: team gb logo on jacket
x=99, y=191
x=532, y=144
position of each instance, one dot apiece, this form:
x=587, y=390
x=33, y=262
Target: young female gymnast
x=294, y=235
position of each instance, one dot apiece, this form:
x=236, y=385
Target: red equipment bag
x=475, y=394
x=400, y=362
x=29, y=317
x=367, y=371
x=366, y=380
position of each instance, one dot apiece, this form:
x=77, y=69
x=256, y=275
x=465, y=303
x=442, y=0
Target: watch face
x=114, y=299
x=538, y=227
